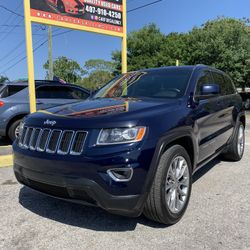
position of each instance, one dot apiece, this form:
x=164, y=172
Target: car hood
x=106, y=111
x=108, y=107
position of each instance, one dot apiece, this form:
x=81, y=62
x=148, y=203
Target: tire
x=158, y=205
x=61, y=7
x=13, y=130
x=235, y=150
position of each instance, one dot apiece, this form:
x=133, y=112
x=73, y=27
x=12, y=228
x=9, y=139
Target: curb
x=6, y=161
x=5, y=150
x=6, y=157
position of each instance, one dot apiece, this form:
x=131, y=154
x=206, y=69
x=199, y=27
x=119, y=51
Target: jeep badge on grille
x=49, y=122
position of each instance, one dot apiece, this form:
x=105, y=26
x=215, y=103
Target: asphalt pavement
x=218, y=217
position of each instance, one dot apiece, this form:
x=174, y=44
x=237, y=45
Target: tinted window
x=60, y=92
x=79, y=94
x=226, y=84
x=205, y=77
x=165, y=83
x=229, y=86
x=10, y=90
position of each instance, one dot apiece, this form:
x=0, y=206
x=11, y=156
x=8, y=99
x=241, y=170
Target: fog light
x=120, y=174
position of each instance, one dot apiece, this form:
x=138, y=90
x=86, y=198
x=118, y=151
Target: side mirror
x=210, y=89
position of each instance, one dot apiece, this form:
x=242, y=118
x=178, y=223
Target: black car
x=14, y=101
x=134, y=146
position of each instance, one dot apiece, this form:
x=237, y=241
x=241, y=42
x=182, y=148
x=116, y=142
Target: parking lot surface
x=218, y=217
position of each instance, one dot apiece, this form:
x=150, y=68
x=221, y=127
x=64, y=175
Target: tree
x=66, y=69
x=3, y=79
x=223, y=43
x=98, y=72
x=144, y=49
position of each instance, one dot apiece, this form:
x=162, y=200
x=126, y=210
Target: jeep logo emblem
x=48, y=122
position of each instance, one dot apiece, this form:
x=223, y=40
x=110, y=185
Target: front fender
x=165, y=141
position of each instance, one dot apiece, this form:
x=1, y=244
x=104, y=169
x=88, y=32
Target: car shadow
x=4, y=142
x=77, y=215
x=92, y=218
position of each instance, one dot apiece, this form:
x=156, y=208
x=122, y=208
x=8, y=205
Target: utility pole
x=51, y=74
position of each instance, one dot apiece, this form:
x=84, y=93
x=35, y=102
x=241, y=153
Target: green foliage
x=223, y=43
x=98, y=72
x=66, y=69
x=3, y=79
x=144, y=49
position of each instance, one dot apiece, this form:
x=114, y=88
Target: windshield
x=164, y=83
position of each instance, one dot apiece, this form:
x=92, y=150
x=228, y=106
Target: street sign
x=101, y=16
x=108, y=17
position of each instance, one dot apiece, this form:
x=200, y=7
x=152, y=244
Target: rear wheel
x=171, y=189
x=13, y=132
x=236, y=149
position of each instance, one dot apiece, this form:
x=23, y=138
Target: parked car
x=135, y=145
x=14, y=101
x=68, y=6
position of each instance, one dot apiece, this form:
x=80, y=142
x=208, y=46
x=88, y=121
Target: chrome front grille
x=53, y=141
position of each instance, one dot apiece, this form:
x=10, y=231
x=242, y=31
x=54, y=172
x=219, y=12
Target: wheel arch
x=13, y=119
x=183, y=138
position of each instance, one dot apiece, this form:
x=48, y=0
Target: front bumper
x=83, y=181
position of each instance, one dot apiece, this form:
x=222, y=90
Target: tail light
x=1, y=103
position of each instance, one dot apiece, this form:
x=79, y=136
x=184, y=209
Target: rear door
x=228, y=102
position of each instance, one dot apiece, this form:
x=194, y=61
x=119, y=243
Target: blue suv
x=135, y=145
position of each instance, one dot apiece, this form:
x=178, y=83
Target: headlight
x=121, y=135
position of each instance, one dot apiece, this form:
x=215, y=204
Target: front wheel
x=171, y=189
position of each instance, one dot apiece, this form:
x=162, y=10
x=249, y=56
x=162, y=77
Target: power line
x=11, y=11
x=143, y=6
x=34, y=50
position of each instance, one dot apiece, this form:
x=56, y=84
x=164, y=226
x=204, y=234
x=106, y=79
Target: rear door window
x=58, y=92
x=219, y=79
x=79, y=94
x=229, y=86
x=10, y=90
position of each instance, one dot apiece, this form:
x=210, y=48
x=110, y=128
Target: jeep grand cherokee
x=134, y=146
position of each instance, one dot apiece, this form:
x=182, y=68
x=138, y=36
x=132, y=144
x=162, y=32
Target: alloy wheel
x=177, y=184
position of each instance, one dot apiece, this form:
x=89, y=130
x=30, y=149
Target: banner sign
x=97, y=15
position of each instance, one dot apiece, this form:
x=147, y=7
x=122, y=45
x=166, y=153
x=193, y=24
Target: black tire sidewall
x=175, y=151
x=235, y=142
x=11, y=132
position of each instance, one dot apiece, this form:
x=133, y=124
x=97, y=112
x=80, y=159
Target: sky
x=169, y=15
